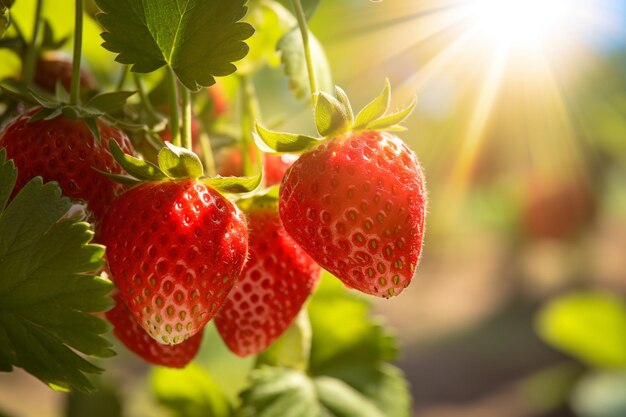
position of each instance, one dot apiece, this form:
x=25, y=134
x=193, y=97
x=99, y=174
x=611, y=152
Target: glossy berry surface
x=64, y=150
x=276, y=281
x=357, y=205
x=174, y=249
x=135, y=338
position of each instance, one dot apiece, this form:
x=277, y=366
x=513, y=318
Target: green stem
x=250, y=113
x=145, y=100
x=78, y=45
x=173, y=99
x=123, y=74
x=186, y=130
x=207, y=152
x=31, y=53
x=304, y=31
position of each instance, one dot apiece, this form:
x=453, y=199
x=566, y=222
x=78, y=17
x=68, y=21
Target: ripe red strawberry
x=357, y=203
x=64, y=150
x=276, y=281
x=174, y=249
x=230, y=164
x=219, y=99
x=135, y=338
x=558, y=210
x=53, y=67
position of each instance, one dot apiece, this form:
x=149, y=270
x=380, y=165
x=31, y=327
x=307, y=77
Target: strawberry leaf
x=8, y=173
x=234, y=185
x=47, y=287
x=293, y=59
x=590, y=326
x=375, y=109
x=189, y=392
x=198, y=39
x=179, y=162
x=331, y=116
x=282, y=142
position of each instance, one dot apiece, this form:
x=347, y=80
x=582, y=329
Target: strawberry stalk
x=173, y=99
x=31, y=53
x=123, y=75
x=78, y=45
x=250, y=114
x=207, y=153
x=304, y=31
x=145, y=100
x=186, y=128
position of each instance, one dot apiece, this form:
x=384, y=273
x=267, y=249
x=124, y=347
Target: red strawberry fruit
x=355, y=200
x=276, y=281
x=135, y=338
x=65, y=150
x=54, y=67
x=357, y=206
x=174, y=249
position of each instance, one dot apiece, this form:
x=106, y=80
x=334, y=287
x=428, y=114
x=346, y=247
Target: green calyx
x=266, y=199
x=175, y=163
x=59, y=104
x=333, y=117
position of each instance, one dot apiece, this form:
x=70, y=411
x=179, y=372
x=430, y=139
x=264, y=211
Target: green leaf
x=294, y=62
x=282, y=142
x=234, y=185
x=292, y=348
x=309, y=6
x=279, y=392
x=271, y=21
x=198, y=39
x=8, y=173
x=375, y=109
x=390, y=122
x=342, y=400
x=588, y=325
x=60, y=93
x=179, y=162
x=190, y=392
x=47, y=288
x=110, y=102
x=136, y=167
x=331, y=116
x=601, y=395
x=356, y=351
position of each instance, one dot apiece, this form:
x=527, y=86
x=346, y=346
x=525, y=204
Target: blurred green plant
x=591, y=327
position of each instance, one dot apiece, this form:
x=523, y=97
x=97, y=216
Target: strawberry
x=52, y=67
x=557, y=209
x=355, y=200
x=135, y=338
x=230, y=164
x=276, y=281
x=356, y=204
x=65, y=150
x=174, y=249
x=219, y=100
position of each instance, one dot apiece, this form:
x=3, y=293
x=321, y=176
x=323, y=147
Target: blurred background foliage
x=518, y=308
